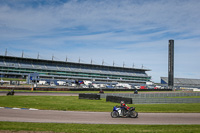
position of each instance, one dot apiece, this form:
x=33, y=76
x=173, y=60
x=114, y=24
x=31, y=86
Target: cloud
x=124, y=31
x=104, y=16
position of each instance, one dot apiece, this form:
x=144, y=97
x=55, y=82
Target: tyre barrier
x=117, y=99
x=89, y=96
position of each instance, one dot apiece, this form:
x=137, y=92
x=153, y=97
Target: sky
x=133, y=33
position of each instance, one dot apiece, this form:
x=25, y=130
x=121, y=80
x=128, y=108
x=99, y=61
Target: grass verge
x=72, y=103
x=13, y=79
x=97, y=128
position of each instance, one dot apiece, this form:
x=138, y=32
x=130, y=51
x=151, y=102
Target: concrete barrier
x=117, y=99
x=89, y=96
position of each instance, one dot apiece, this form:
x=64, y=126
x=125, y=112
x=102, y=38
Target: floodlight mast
x=171, y=65
x=79, y=60
x=52, y=57
x=66, y=59
x=6, y=52
x=22, y=54
x=38, y=56
x=102, y=62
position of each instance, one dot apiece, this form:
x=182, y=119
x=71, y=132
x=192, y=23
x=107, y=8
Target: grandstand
x=182, y=82
x=19, y=67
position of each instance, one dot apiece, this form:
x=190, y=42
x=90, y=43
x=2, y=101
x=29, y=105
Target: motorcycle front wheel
x=133, y=114
x=114, y=114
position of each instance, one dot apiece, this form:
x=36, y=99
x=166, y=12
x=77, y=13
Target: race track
x=50, y=116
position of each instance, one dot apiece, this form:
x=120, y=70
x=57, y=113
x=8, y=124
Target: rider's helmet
x=122, y=103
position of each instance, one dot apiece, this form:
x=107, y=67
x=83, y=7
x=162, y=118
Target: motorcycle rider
x=12, y=92
x=124, y=107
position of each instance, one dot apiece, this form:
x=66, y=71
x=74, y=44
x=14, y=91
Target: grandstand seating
x=61, y=68
x=184, y=82
x=75, y=69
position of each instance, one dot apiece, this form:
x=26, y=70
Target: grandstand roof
x=69, y=63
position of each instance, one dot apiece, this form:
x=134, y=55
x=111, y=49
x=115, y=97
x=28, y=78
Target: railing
x=154, y=95
x=164, y=100
x=154, y=98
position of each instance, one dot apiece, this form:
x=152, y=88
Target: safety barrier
x=117, y=99
x=89, y=96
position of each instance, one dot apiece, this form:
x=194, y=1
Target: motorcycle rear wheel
x=133, y=114
x=114, y=114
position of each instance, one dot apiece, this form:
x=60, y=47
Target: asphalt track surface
x=50, y=116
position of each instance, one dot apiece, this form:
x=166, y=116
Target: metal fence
x=164, y=100
x=153, y=95
x=153, y=98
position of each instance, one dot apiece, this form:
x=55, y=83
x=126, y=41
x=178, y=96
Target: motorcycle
x=122, y=112
x=11, y=93
x=135, y=92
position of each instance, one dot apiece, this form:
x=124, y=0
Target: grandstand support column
x=171, y=65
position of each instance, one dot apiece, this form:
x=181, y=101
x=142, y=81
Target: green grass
x=97, y=128
x=13, y=79
x=72, y=103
